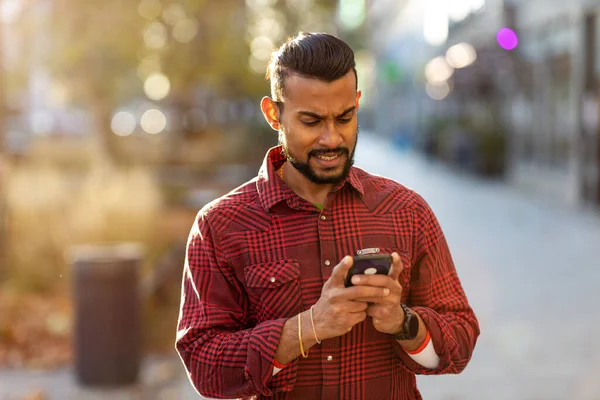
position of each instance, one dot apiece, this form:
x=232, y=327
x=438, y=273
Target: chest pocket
x=273, y=289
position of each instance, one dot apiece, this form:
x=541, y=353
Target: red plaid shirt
x=261, y=254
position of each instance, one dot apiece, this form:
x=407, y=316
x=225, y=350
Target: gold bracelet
x=312, y=322
x=300, y=336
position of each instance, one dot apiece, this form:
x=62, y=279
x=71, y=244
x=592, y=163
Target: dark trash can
x=107, y=314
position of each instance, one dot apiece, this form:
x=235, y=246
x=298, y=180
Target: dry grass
x=50, y=210
x=63, y=197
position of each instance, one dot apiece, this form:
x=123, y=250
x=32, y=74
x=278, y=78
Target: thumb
x=338, y=275
x=397, y=266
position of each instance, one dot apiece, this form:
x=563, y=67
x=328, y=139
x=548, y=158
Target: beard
x=305, y=169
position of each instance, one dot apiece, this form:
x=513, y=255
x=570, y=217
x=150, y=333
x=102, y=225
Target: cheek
x=300, y=138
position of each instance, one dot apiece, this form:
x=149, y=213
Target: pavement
x=161, y=378
x=530, y=268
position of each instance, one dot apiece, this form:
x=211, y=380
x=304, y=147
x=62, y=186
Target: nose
x=330, y=138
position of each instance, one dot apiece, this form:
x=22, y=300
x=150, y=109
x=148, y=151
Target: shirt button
x=272, y=279
x=323, y=218
x=327, y=263
x=329, y=358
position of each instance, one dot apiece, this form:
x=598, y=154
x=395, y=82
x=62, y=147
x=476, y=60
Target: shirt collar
x=272, y=189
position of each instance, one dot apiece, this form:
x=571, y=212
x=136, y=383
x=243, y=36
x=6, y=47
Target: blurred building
x=554, y=112
x=528, y=113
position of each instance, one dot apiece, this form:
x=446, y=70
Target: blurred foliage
x=96, y=50
x=101, y=52
x=50, y=210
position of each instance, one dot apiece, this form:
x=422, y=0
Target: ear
x=358, y=94
x=271, y=112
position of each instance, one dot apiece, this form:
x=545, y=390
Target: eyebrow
x=317, y=116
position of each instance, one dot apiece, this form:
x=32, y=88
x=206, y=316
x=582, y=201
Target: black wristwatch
x=410, y=326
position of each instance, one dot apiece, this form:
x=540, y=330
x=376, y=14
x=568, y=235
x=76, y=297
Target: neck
x=314, y=193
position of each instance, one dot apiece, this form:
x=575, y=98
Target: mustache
x=329, y=152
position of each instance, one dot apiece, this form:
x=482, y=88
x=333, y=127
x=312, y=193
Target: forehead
x=308, y=94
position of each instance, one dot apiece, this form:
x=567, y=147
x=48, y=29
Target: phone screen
x=369, y=265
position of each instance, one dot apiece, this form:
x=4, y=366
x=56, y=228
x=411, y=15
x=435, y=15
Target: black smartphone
x=379, y=264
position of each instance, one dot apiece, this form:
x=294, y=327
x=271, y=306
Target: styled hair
x=310, y=55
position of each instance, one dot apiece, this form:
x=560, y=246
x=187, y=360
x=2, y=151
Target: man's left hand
x=386, y=312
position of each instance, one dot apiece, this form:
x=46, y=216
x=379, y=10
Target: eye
x=344, y=120
x=311, y=123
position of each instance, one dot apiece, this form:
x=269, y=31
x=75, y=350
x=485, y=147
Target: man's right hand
x=336, y=311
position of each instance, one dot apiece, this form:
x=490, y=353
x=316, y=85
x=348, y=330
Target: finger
x=357, y=318
x=397, y=266
x=379, y=300
x=379, y=312
x=372, y=280
x=356, y=306
x=338, y=275
x=359, y=292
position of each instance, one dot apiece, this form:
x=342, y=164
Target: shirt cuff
x=425, y=354
x=441, y=341
x=277, y=366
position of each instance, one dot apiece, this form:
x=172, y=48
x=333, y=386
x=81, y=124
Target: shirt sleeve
x=224, y=354
x=436, y=294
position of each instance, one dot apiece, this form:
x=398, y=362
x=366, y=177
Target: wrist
x=308, y=336
x=412, y=345
x=410, y=326
x=421, y=347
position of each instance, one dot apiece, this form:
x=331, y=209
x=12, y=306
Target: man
x=265, y=312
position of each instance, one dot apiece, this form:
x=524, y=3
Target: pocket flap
x=272, y=274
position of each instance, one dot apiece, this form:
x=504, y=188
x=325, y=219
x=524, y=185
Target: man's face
x=318, y=128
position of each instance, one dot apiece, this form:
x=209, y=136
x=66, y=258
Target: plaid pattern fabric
x=261, y=254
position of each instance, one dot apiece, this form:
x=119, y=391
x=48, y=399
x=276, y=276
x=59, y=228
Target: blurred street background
x=120, y=119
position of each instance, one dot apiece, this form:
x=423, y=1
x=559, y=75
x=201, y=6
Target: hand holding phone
x=377, y=264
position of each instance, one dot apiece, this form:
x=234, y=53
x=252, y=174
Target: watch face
x=413, y=327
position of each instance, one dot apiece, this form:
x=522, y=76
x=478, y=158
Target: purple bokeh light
x=507, y=39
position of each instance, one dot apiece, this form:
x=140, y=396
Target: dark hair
x=311, y=55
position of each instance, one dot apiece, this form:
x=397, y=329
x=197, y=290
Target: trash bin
x=107, y=314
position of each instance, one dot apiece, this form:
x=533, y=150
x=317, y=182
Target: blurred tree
x=104, y=50
x=2, y=151
x=94, y=47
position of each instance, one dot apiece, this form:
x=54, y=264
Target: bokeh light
x=157, y=86
x=437, y=92
x=258, y=67
x=435, y=23
x=153, y=121
x=123, y=123
x=461, y=55
x=351, y=13
x=269, y=27
x=155, y=36
x=185, y=30
x=261, y=48
x=173, y=13
x=458, y=10
x=507, y=39
x=437, y=71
